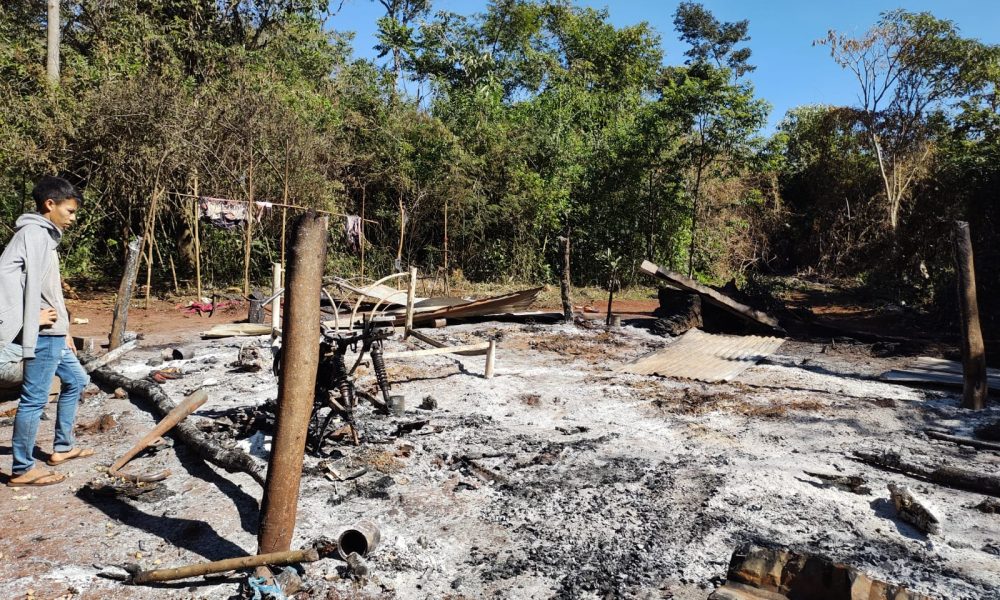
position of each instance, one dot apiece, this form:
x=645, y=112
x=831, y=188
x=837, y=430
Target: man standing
x=34, y=326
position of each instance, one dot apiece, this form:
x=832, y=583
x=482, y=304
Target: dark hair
x=56, y=189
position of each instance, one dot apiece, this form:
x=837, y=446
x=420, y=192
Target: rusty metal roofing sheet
x=705, y=356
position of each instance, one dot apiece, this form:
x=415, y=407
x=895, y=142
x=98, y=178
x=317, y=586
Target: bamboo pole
x=974, y=388
x=284, y=210
x=296, y=383
x=402, y=230
x=53, y=26
x=149, y=237
x=249, y=231
x=447, y=267
x=197, y=238
x=364, y=189
x=173, y=273
x=229, y=564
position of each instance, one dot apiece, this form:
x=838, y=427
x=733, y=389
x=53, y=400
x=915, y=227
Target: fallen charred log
x=945, y=475
x=233, y=460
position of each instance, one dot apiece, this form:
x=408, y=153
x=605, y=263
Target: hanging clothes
x=354, y=234
x=222, y=213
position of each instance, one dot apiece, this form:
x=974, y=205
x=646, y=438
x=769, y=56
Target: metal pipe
x=300, y=357
x=361, y=538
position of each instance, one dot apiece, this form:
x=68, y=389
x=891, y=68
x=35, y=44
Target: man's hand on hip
x=47, y=317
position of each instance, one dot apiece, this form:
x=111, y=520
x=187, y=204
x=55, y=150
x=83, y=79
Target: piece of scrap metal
x=705, y=357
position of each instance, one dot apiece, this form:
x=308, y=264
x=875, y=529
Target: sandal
x=68, y=455
x=39, y=479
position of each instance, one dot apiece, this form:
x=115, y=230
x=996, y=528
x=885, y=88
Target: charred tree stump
x=678, y=311
x=233, y=460
x=296, y=384
x=974, y=388
x=120, y=319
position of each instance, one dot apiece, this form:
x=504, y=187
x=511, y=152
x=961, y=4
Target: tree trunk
x=564, y=283
x=402, y=232
x=696, y=197
x=974, y=389
x=185, y=236
x=52, y=26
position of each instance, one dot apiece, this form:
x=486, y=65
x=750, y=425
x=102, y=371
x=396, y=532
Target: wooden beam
x=724, y=302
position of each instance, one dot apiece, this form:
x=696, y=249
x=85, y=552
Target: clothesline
x=270, y=204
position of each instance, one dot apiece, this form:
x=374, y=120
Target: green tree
x=912, y=68
x=723, y=115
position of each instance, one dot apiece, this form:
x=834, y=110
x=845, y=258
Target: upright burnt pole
x=300, y=361
x=973, y=351
x=119, y=320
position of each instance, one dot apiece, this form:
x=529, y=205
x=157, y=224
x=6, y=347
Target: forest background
x=535, y=120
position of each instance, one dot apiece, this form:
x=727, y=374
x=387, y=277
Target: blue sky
x=790, y=70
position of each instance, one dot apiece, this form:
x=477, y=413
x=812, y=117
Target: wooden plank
x=438, y=344
x=724, y=302
x=469, y=349
x=937, y=371
x=485, y=306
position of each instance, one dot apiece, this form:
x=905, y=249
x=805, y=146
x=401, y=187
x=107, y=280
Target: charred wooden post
x=125, y=288
x=411, y=293
x=300, y=355
x=276, y=303
x=974, y=389
x=256, y=311
x=491, y=354
x=564, y=282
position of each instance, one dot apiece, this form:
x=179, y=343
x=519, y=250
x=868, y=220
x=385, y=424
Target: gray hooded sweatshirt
x=29, y=281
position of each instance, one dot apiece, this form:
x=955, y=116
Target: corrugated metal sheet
x=705, y=356
x=926, y=369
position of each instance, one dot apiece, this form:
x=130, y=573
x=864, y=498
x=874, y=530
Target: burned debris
x=365, y=456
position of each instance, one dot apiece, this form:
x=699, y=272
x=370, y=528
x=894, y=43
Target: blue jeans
x=52, y=357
